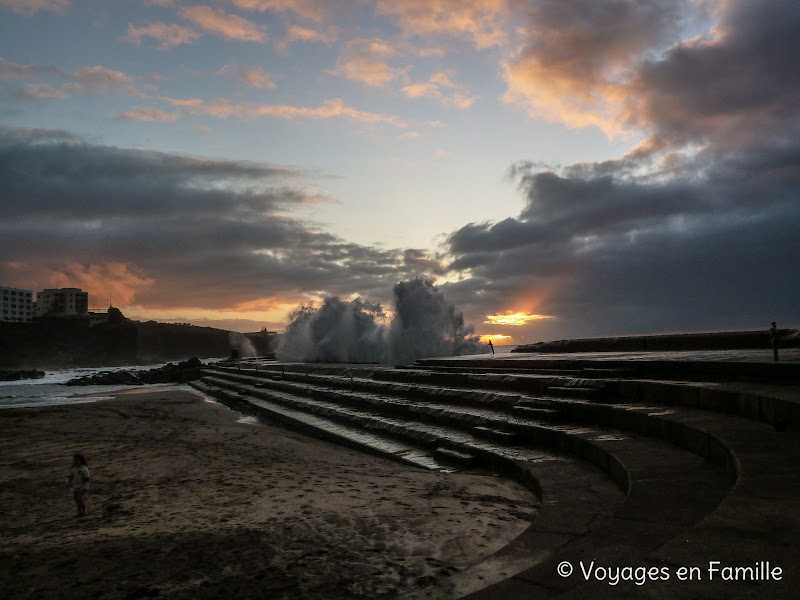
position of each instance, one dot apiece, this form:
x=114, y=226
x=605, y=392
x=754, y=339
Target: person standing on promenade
x=491, y=346
x=773, y=338
x=79, y=480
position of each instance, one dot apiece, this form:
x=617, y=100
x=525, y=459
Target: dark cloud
x=190, y=232
x=733, y=89
x=696, y=229
x=114, y=182
x=618, y=255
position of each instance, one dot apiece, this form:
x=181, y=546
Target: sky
x=560, y=168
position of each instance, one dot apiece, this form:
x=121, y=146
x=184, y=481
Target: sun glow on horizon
x=495, y=338
x=514, y=319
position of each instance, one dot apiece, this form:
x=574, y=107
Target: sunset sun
x=518, y=318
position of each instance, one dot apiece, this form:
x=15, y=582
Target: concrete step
x=533, y=412
x=605, y=373
x=498, y=369
x=459, y=458
x=575, y=391
x=497, y=435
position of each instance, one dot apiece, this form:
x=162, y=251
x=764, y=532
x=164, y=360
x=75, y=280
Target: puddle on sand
x=248, y=420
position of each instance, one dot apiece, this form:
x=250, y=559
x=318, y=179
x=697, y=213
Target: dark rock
x=193, y=363
x=183, y=372
x=16, y=374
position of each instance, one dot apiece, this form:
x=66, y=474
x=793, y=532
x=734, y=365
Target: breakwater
x=724, y=340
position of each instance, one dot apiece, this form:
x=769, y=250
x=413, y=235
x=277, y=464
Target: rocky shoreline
x=182, y=372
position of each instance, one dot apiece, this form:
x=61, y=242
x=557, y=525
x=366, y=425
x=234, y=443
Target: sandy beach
x=186, y=501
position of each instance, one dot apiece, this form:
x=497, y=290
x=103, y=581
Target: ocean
x=49, y=390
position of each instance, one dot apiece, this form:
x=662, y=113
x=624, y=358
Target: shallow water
x=49, y=391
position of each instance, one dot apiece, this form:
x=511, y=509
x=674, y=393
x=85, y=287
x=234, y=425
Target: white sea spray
x=241, y=343
x=423, y=325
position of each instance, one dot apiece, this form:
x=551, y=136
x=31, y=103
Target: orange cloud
x=441, y=87
x=101, y=79
x=256, y=78
x=184, y=103
x=29, y=7
x=169, y=35
x=482, y=22
x=579, y=67
x=231, y=27
x=261, y=304
x=148, y=115
x=224, y=109
x=40, y=91
x=544, y=91
x=364, y=60
x=119, y=281
x=314, y=10
x=249, y=316
x=9, y=70
x=296, y=33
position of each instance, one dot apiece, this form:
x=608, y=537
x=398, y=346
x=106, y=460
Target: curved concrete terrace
x=704, y=471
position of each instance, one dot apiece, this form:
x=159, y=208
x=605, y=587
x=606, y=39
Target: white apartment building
x=61, y=302
x=15, y=304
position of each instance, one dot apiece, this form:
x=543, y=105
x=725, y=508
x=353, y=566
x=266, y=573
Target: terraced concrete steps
x=498, y=417
x=499, y=409
x=422, y=385
x=483, y=427
x=691, y=477
x=597, y=494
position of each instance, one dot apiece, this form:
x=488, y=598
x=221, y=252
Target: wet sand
x=187, y=502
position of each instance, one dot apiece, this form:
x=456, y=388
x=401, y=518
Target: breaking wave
x=243, y=346
x=423, y=325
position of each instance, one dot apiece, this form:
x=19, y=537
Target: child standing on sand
x=79, y=479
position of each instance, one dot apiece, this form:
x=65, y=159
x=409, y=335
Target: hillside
x=53, y=343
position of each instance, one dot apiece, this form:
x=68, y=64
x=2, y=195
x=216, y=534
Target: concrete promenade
x=659, y=475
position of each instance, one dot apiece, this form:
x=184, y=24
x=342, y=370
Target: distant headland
x=61, y=342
